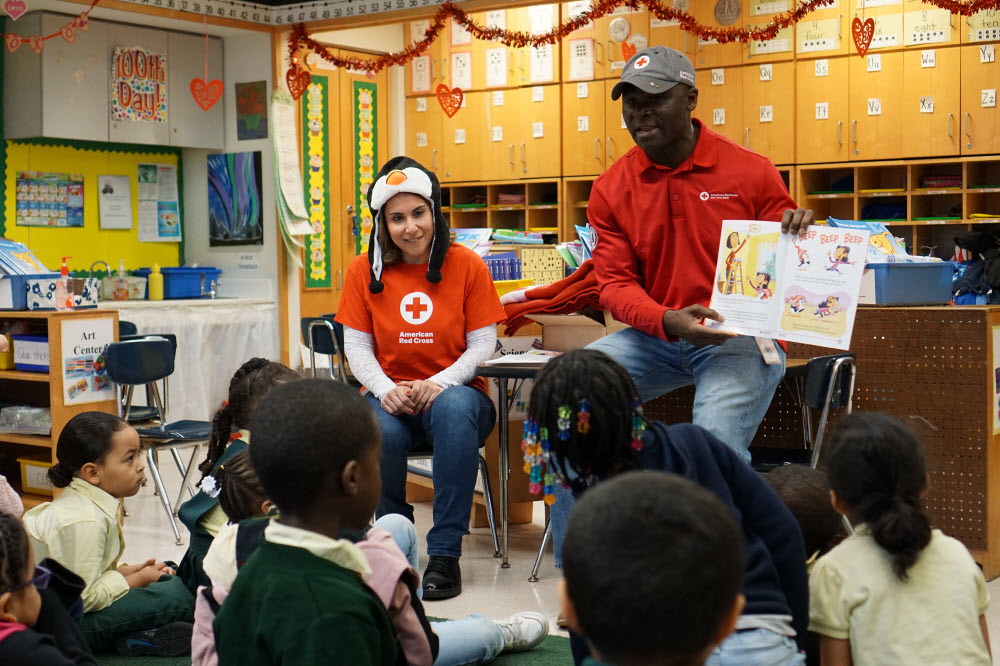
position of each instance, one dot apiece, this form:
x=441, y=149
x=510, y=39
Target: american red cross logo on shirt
x=416, y=307
x=641, y=62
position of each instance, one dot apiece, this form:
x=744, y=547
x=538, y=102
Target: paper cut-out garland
x=36, y=43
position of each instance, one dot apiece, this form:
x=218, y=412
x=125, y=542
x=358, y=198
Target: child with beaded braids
x=585, y=425
x=896, y=591
x=201, y=514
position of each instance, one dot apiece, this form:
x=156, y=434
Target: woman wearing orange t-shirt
x=419, y=315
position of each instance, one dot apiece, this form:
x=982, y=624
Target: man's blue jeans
x=733, y=388
x=458, y=422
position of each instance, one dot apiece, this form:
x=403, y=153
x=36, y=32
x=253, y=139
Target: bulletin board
x=88, y=243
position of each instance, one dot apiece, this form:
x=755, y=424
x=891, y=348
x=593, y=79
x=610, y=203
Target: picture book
x=882, y=245
x=800, y=288
x=17, y=259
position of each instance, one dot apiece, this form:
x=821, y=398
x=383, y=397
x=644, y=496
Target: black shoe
x=170, y=640
x=442, y=578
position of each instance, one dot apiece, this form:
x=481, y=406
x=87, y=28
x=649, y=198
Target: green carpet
x=554, y=651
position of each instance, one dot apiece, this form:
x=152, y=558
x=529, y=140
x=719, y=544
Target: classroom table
x=504, y=374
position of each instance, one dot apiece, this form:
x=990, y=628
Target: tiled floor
x=487, y=588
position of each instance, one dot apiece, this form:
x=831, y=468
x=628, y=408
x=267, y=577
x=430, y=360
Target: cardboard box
x=612, y=324
x=41, y=292
x=31, y=353
x=34, y=476
x=565, y=332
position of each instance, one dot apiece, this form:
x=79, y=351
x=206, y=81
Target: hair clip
x=210, y=486
x=234, y=436
x=563, y=422
x=583, y=417
x=535, y=444
x=638, y=425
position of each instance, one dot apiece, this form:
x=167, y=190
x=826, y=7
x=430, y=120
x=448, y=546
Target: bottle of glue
x=64, y=292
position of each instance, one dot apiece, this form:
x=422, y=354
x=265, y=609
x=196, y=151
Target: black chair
x=144, y=362
x=828, y=385
x=145, y=414
x=322, y=335
x=126, y=328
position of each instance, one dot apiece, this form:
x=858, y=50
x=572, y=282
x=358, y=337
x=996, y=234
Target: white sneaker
x=523, y=631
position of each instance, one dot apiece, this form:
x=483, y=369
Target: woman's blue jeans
x=456, y=425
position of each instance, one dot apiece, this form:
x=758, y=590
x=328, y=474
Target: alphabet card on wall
x=800, y=288
x=85, y=375
x=138, y=85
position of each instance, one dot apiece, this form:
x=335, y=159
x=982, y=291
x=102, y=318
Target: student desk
x=505, y=374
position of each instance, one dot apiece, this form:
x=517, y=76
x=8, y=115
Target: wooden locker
x=720, y=101
x=617, y=140
x=669, y=33
x=931, y=114
x=927, y=27
x=617, y=51
x=423, y=132
x=876, y=107
x=758, y=14
x=430, y=62
x=504, y=130
x=539, y=126
x=710, y=54
x=583, y=128
x=576, y=46
x=825, y=32
x=980, y=133
x=527, y=67
x=769, y=110
x=821, y=112
x=465, y=140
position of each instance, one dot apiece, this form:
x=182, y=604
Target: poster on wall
x=138, y=85
x=365, y=159
x=85, y=376
x=159, y=210
x=114, y=198
x=315, y=136
x=251, y=110
x=49, y=199
x=234, y=199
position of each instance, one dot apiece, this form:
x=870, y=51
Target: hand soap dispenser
x=64, y=292
x=121, y=283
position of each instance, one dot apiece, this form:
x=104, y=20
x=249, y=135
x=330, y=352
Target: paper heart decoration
x=450, y=99
x=37, y=43
x=68, y=32
x=82, y=22
x=628, y=50
x=297, y=80
x=862, y=34
x=206, y=94
x=13, y=42
x=15, y=8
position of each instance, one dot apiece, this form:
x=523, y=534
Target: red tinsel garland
x=300, y=38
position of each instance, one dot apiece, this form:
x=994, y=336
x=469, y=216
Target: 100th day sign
x=138, y=85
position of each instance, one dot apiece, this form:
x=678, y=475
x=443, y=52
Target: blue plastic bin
x=183, y=282
x=912, y=284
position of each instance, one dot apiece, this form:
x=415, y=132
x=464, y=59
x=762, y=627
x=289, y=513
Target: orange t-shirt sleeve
x=482, y=305
x=352, y=311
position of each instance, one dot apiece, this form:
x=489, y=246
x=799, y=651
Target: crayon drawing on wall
x=234, y=199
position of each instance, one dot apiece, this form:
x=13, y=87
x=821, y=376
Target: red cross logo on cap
x=641, y=62
x=416, y=308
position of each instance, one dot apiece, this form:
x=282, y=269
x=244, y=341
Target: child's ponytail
x=86, y=438
x=877, y=468
x=222, y=426
x=13, y=551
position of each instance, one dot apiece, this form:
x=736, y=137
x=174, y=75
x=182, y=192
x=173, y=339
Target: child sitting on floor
x=142, y=605
x=300, y=598
x=35, y=626
x=586, y=424
x=201, y=514
x=806, y=493
x=394, y=577
x=653, y=570
x=896, y=591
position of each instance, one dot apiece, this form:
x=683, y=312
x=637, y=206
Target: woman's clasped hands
x=411, y=397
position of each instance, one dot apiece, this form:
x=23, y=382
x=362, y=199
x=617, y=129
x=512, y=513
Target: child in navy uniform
x=653, y=568
x=300, y=598
x=585, y=423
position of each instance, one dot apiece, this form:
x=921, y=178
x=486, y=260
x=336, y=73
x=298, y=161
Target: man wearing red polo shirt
x=658, y=214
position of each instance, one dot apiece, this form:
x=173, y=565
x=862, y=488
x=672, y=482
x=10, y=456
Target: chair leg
x=155, y=463
x=533, y=578
x=488, y=496
x=186, y=478
x=164, y=500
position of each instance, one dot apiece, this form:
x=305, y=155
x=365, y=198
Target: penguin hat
x=398, y=175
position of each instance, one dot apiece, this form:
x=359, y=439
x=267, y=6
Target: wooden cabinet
x=826, y=32
x=464, y=141
x=529, y=65
x=157, y=41
x=876, y=106
x=759, y=14
x=708, y=54
x=62, y=93
x=582, y=55
x=821, y=110
x=980, y=130
x=931, y=102
x=190, y=125
x=538, y=130
x=769, y=110
x=45, y=390
x=423, y=132
x=617, y=140
x=720, y=101
x=583, y=137
x=425, y=72
x=634, y=26
x=669, y=33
